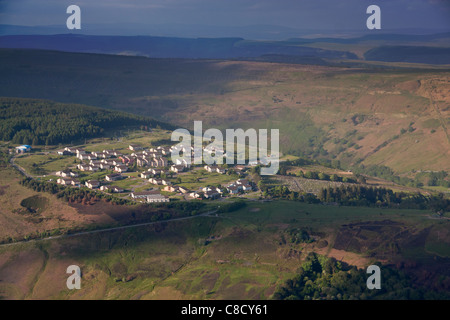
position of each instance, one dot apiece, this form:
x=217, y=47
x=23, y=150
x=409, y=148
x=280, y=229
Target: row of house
x=159, y=181
x=67, y=173
x=207, y=193
x=170, y=188
x=68, y=182
x=91, y=184
x=113, y=189
x=93, y=167
x=95, y=184
x=151, y=196
x=177, y=168
x=239, y=185
x=211, y=168
x=152, y=172
x=152, y=162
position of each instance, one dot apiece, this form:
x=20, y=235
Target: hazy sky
x=305, y=14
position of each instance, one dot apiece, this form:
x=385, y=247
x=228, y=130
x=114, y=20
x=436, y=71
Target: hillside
x=245, y=254
x=37, y=122
x=417, y=54
x=397, y=117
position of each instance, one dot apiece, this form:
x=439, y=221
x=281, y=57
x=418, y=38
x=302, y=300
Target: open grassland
x=24, y=212
x=244, y=254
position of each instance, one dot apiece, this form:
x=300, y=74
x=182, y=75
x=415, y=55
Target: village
x=158, y=178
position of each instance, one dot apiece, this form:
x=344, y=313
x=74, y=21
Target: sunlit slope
x=370, y=115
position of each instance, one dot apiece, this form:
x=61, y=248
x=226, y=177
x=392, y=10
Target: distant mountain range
x=250, y=32
x=168, y=47
x=432, y=49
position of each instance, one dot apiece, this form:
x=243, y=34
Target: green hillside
x=37, y=122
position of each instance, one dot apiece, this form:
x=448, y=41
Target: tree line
x=357, y=195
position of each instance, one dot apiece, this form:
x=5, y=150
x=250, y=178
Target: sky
x=296, y=14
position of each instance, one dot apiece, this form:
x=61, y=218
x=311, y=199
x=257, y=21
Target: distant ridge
x=168, y=47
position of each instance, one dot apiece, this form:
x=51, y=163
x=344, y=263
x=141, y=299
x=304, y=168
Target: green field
x=49, y=163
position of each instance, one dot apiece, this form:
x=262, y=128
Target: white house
x=143, y=194
x=146, y=174
x=155, y=181
x=134, y=147
x=92, y=184
x=113, y=177
x=121, y=168
x=233, y=189
x=177, y=168
x=212, y=194
x=157, y=198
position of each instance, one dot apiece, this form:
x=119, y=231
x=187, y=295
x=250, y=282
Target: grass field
x=48, y=163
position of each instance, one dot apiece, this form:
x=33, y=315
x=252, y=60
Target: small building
x=105, y=166
x=232, y=189
x=121, y=168
x=212, y=194
x=94, y=168
x=116, y=189
x=210, y=168
x=183, y=162
x=66, y=173
x=83, y=167
x=113, y=177
x=221, y=170
x=64, y=152
x=22, y=149
x=142, y=162
x=71, y=150
x=156, y=181
x=183, y=189
x=177, y=168
x=171, y=188
x=146, y=174
x=155, y=198
x=64, y=181
x=134, y=147
x=196, y=194
x=143, y=194
x=156, y=171
x=92, y=184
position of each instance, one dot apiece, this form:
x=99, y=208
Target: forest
x=323, y=278
x=43, y=122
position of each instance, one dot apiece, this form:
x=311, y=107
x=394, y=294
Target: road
x=205, y=214
x=19, y=168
